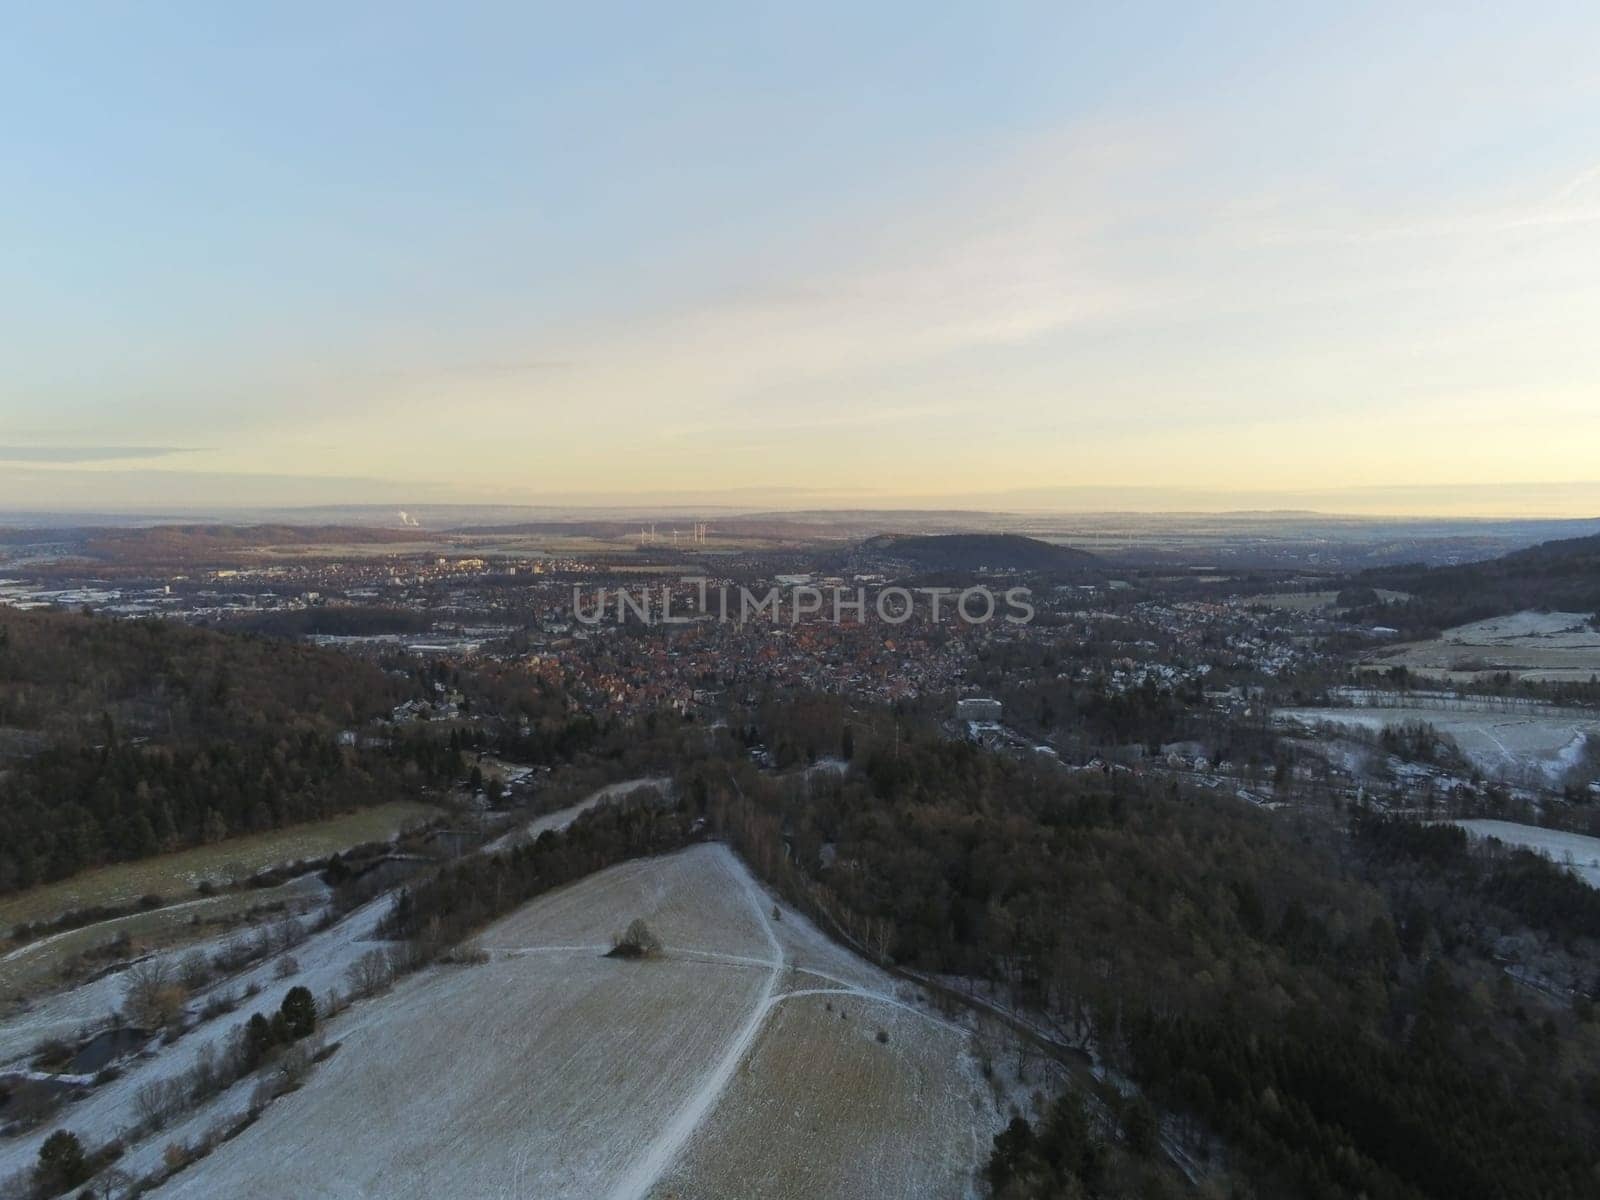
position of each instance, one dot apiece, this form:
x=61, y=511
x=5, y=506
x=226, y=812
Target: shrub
x=469, y=953
x=369, y=974
x=155, y=996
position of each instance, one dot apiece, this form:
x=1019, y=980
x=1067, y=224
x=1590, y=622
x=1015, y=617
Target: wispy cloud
x=89, y=454
x=1574, y=203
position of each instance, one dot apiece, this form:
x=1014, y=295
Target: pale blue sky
x=517, y=252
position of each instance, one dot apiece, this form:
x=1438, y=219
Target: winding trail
x=555, y=822
x=41, y=943
x=842, y=986
x=659, y=1154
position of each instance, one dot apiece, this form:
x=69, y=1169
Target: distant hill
x=186, y=543
x=1561, y=576
x=193, y=544
x=973, y=552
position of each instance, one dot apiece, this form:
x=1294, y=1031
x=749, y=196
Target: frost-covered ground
x=821, y=1107
x=110, y=1109
x=1531, y=645
x=32, y=996
x=1560, y=630
x=1509, y=744
x=1578, y=852
x=553, y=1071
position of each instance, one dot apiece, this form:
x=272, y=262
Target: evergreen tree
x=61, y=1163
x=258, y=1040
x=299, y=1011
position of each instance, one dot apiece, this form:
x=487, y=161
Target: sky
x=1007, y=255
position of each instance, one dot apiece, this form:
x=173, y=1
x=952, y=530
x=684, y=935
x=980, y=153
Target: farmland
x=1538, y=647
x=176, y=875
x=33, y=966
x=552, y=1070
x=854, y=1116
x=1536, y=743
x=1316, y=602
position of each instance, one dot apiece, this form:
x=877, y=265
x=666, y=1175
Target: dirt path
x=556, y=821
x=661, y=1153
x=40, y=944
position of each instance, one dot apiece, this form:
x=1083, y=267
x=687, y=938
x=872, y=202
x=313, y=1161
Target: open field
x=168, y=933
x=1540, y=746
x=553, y=1071
x=1528, y=743
x=1311, y=602
x=822, y=1108
x=1547, y=647
x=1578, y=852
x=175, y=876
x=525, y=1077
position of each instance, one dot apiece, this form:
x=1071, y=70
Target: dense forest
x=1562, y=576
x=1284, y=1006
x=127, y=738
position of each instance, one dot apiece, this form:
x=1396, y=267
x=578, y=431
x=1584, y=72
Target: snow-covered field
x=1578, y=852
x=1515, y=745
x=1531, y=645
x=1556, y=630
x=111, y=1108
x=821, y=1107
x=552, y=1071
x=30, y=972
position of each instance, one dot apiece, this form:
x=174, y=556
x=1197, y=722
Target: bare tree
x=369, y=974
x=116, y=1184
x=195, y=971
x=154, y=997
x=158, y=1101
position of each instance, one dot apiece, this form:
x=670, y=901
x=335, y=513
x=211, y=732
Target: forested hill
x=120, y=739
x=974, y=552
x=1562, y=576
x=1327, y=1004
